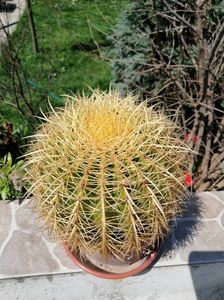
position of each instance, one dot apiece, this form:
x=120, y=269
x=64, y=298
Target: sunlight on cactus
x=106, y=174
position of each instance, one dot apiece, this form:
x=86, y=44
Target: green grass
x=61, y=67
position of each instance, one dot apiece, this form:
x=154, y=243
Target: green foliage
x=10, y=178
x=60, y=66
x=131, y=48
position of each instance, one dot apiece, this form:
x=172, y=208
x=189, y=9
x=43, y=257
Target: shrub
x=10, y=178
x=172, y=51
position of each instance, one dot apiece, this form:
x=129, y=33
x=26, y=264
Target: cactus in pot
x=106, y=175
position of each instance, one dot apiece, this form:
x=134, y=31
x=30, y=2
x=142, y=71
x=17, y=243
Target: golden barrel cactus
x=106, y=174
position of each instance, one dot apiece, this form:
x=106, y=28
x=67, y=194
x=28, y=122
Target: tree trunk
x=32, y=27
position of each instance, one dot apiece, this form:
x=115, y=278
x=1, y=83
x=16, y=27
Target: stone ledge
x=196, y=238
x=196, y=282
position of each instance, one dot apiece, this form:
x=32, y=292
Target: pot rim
x=106, y=275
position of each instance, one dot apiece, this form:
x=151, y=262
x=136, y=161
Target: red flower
x=186, y=136
x=188, y=180
x=194, y=138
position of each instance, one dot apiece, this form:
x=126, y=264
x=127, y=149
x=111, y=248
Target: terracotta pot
x=108, y=271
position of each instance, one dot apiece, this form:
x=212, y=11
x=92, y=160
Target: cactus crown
x=106, y=174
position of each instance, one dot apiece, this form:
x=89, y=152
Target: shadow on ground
x=206, y=267
x=181, y=234
x=208, y=279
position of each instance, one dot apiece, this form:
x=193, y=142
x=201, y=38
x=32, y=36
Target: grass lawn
x=68, y=59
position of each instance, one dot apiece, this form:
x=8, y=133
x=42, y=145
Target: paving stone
x=168, y=250
x=48, y=236
x=215, y=194
x=26, y=219
x=5, y=220
x=205, y=245
x=26, y=254
x=63, y=257
x=210, y=206
x=222, y=219
x=192, y=207
x=168, y=258
x=196, y=238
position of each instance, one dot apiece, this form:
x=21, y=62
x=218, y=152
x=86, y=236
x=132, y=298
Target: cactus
x=106, y=174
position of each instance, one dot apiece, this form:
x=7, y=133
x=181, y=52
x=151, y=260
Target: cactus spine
x=107, y=174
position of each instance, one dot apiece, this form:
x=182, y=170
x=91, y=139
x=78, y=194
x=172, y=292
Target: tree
x=32, y=26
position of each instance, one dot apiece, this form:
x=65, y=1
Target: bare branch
x=184, y=21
